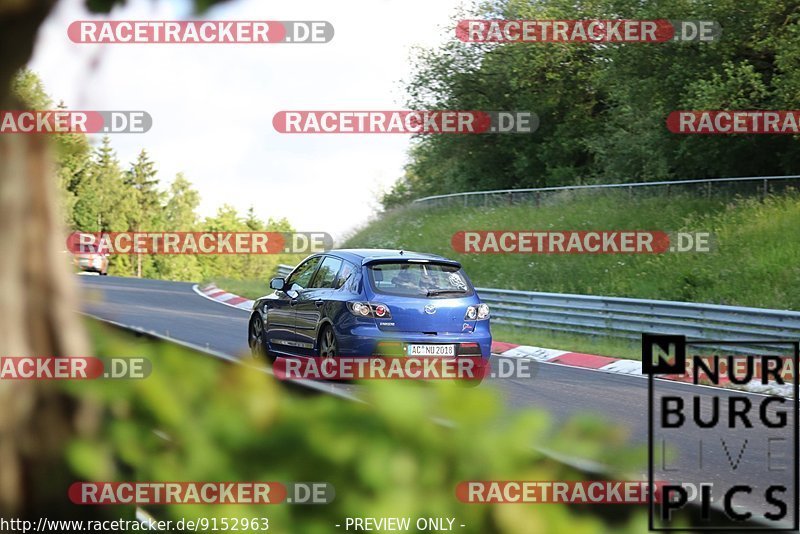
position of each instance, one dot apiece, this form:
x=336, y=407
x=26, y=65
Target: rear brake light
x=370, y=309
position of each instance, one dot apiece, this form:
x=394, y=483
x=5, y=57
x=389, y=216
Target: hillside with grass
x=754, y=261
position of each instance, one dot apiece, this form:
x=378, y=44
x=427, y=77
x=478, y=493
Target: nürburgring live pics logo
x=739, y=448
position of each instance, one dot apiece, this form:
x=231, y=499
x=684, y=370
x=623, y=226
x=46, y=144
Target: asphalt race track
x=174, y=309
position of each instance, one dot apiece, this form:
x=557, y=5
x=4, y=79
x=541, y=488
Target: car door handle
x=292, y=302
x=319, y=303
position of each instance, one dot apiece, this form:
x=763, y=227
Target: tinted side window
x=346, y=276
x=327, y=272
x=302, y=276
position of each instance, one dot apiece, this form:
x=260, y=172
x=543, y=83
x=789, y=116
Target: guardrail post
x=765, y=190
x=708, y=189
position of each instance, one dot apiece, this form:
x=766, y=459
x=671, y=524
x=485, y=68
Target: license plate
x=431, y=350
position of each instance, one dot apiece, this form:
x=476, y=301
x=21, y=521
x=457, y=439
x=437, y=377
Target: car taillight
x=360, y=308
x=370, y=309
x=478, y=313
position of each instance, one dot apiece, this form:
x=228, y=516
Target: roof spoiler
x=439, y=261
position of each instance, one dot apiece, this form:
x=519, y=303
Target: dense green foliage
x=386, y=457
x=754, y=262
x=603, y=108
x=100, y=194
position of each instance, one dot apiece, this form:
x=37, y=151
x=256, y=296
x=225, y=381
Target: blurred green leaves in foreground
x=200, y=419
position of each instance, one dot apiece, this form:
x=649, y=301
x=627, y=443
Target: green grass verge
x=604, y=346
x=754, y=262
x=251, y=289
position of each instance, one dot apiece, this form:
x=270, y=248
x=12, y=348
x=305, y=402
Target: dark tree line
x=603, y=108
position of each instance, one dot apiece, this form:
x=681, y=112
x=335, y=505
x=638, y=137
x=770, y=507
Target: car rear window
x=419, y=280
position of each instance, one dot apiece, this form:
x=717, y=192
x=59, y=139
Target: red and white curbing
x=510, y=350
x=563, y=357
x=615, y=365
x=219, y=295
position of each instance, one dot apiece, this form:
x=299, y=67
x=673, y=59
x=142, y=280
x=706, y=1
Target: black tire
x=255, y=338
x=327, y=346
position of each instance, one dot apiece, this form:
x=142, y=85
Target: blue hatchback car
x=371, y=302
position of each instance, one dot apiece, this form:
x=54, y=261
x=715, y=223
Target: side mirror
x=277, y=284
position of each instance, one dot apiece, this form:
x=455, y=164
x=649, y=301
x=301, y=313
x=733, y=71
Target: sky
x=212, y=104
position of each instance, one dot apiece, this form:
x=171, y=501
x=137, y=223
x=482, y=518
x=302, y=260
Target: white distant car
x=91, y=262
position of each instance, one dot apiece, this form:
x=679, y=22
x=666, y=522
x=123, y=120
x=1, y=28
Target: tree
x=72, y=151
x=141, y=179
x=182, y=205
x=180, y=216
x=603, y=107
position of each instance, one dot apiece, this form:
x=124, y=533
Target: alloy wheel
x=256, y=337
x=327, y=345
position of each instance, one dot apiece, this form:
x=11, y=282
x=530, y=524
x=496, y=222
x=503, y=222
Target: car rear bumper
x=90, y=265
x=365, y=340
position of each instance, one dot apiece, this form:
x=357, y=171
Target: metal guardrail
x=283, y=270
x=627, y=318
x=759, y=185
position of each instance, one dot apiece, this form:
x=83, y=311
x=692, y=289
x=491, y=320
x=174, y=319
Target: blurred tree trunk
x=37, y=294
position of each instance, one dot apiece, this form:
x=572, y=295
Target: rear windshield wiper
x=434, y=292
